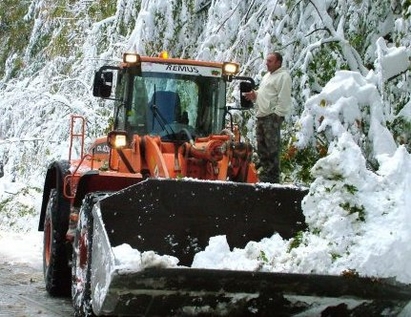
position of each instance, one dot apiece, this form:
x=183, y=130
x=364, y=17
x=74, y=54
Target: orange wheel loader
x=172, y=173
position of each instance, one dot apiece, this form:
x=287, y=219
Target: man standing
x=273, y=103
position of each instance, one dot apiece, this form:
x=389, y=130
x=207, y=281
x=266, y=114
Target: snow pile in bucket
x=129, y=259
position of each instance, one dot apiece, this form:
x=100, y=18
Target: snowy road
x=22, y=294
x=22, y=289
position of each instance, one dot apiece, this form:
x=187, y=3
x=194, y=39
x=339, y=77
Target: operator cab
x=172, y=98
x=161, y=97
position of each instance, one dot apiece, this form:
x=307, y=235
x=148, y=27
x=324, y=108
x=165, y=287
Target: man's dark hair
x=278, y=56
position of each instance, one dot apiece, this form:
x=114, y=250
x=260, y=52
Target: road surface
x=23, y=294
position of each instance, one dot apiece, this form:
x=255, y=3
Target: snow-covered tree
x=52, y=49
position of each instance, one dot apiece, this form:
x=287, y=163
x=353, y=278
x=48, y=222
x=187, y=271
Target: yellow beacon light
x=163, y=54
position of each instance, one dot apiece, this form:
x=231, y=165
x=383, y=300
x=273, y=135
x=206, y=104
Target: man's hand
x=251, y=95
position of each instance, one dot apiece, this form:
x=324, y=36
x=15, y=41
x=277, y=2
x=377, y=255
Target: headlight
x=230, y=68
x=131, y=58
x=117, y=139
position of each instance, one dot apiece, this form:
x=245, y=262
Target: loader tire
x=56, y=267
x=81, y=268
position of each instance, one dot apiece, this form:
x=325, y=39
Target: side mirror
x=103, y=84
x=245, y=86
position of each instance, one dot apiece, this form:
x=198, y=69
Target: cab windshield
x=166, y=103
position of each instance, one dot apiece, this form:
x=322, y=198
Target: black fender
x=54, y=179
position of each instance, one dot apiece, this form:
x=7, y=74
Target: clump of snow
x=343, y=104
x=391, y=61
x=365, y=217
x=256, y=255
x=128, y=259
x=219, y=256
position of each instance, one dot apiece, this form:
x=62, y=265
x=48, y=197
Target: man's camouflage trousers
x=268, y=133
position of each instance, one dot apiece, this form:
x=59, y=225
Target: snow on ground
x=22, y=248
x=19, y=239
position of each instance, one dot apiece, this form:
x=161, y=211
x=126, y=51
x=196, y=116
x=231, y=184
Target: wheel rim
x=81, y=262
x=83, y=245
x=80, y=295
x=48, y=232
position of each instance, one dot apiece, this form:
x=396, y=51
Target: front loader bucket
x=177, y=218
